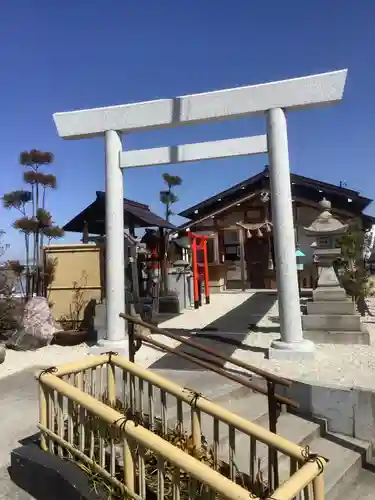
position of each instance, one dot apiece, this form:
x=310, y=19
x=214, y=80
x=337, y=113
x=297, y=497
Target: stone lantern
x=326, y=230
x=331, y=316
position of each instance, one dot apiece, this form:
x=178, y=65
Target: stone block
x=326, y=294
x=332, y=322
x=169, y=304
x=346, y=338
x=297, y=356
x=332, y=307
x=343, y=322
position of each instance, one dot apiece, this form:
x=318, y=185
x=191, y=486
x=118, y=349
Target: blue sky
x=59, y=56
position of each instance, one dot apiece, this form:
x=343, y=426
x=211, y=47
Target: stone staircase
x=348, y=472
x=344, y=474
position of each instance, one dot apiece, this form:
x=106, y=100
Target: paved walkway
x=19, y=411
x=19, y=416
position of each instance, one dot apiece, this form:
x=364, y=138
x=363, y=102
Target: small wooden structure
x=81, y=267
x=239, y=229
x=91, y=221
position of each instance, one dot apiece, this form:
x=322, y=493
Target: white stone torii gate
x=273, y=100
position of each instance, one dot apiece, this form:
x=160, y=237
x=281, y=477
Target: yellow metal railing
x=109, y=414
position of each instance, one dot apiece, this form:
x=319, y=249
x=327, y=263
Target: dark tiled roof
x=301, y=187
x=136, y=214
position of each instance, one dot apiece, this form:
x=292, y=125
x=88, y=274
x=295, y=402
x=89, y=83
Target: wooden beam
x=221, y=210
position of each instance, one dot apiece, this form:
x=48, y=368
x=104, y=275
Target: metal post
x=114, y=261
x=284, y=240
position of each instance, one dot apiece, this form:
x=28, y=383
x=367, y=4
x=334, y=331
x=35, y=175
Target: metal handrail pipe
x=262, y=373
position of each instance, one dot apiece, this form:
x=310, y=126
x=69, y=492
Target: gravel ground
x=16, y=361
x=54, y=355
x=333, y=364
x=341, y=365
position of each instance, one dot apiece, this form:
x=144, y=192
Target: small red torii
x=200, y=270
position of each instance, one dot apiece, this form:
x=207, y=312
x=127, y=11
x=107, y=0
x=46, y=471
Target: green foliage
x=172, y=180
x=47, y=180
x=35, y=158
x=168, y=198
x=351, y=244
x=10, y=306
x=73, y=320
x=17, y=199
x=355, y=278
x=36, y=223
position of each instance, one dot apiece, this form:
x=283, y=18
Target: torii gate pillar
x=292, y=340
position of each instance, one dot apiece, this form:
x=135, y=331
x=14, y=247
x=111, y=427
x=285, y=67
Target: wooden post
x=206, y=273
x=241, y=237
x=193, y=246
x=163, y=261
x=132, y=255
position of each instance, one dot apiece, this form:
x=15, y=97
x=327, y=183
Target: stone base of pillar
x=294, y=351
x=104, y=345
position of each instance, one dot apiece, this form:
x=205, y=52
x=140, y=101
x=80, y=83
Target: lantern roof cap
x=326, y=224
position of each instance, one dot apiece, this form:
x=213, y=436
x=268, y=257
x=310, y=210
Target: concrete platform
x=326, y=294
x=335, y=337
x=332, y=322
x=332, y=307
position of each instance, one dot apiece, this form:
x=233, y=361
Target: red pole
x=195, y=269
x=206, y=277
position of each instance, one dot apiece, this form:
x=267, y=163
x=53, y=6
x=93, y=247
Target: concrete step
x=332, y=307
x=327, y=294
x=289, y=426
x=209, y=384
x=254, y=405
x=364, y=448
x=342, y=470
x=363, y=487
x=336, y=337
x=332, y=322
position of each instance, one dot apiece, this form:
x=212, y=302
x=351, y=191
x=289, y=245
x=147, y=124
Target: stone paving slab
x=9, y=490
x=19, y=411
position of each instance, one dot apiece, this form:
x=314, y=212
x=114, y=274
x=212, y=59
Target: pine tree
x=168, y=198
x=355, y=277
x=35, y=223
